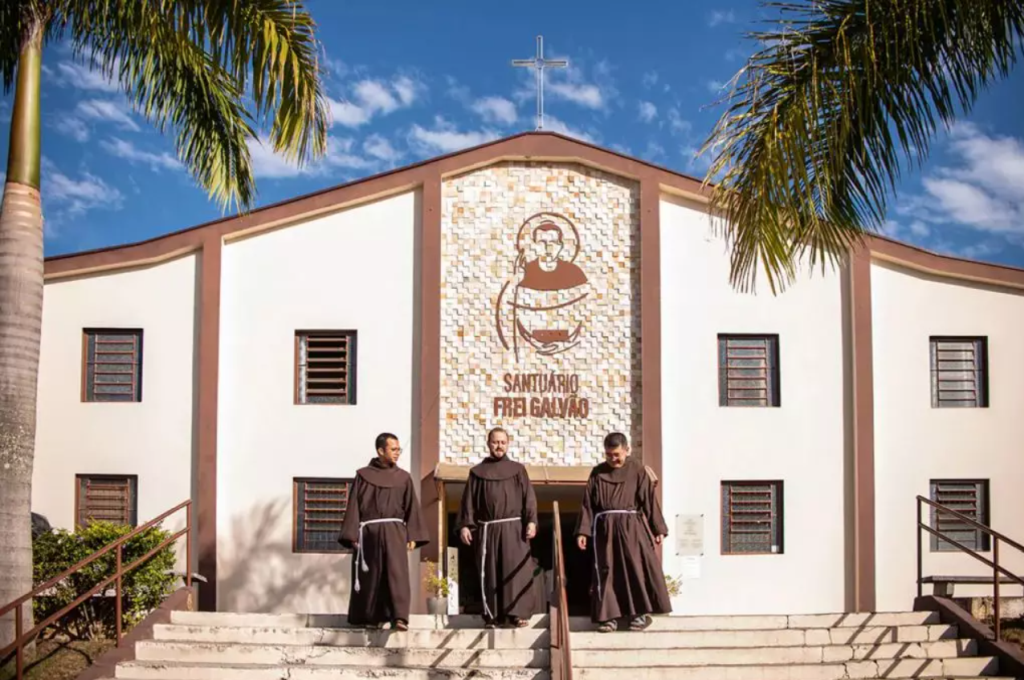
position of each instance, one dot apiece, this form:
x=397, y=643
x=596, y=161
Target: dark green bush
x=143, y=588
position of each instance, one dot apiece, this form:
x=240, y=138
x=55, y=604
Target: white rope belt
x=597, y=518
x=483, y=557
x=360, y=557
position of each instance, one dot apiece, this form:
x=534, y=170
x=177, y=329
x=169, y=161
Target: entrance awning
x=539, y=474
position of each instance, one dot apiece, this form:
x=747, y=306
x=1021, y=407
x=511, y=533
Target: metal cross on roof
x=539, y=63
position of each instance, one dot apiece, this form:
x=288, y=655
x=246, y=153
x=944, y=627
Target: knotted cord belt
x=483, y=557
x=360, y=557
x=597, y=517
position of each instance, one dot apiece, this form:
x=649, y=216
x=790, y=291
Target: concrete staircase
x=811, y=647
x=226, y=646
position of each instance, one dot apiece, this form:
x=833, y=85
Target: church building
x=561, y=291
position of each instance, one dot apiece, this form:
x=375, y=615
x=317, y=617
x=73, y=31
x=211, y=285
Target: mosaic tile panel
x=540, y=312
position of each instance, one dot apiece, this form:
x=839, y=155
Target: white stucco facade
x=800, y=442
x=915, y=443
x=351, y=270
x=151, y=438
x=360, y=268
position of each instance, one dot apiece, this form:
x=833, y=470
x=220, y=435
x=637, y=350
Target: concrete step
x=755, y=656
x=226, y=653
x=776, y=622
x=947, y=669
x=416, y=621
x=464, y=638
x=655, y=639
x=156, y=670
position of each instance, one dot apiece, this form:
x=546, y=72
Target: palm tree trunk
x=21, y=308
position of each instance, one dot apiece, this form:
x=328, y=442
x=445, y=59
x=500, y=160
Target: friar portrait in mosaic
x=542, y=305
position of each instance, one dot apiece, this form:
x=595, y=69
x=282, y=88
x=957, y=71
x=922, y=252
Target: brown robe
x=499, y=489
x=628, y=579
x=381, y=491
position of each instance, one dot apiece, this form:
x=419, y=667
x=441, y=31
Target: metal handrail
x=994, y=562
x=21, y=638
x=558, y=610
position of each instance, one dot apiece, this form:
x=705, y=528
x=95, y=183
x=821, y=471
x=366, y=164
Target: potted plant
x=437, y=586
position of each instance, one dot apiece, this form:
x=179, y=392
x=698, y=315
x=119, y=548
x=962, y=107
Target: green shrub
x=142, y=589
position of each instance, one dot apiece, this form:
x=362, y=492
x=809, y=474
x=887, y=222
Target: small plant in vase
x=437, y=586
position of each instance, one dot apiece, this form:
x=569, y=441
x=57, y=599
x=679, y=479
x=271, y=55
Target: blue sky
x=411, y=80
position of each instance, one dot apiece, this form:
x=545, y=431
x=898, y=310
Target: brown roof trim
x=914, y=257
x=527, y=145
x=537, y=146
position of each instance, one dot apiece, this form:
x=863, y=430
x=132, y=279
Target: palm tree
x=187, y=64
x=811, y=141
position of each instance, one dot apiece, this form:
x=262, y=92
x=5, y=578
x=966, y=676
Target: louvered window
x=112, y=365
x=748, y=370
x=959, y=372
x=107, y=498
x=325, y=371
x=968, y=497
x=320, y=506
x=751, y=518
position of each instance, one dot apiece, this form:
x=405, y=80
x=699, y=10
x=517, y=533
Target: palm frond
x=172, y=66
x=810, y=143
x=269, y=47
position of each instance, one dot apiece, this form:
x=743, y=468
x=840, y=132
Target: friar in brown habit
x=381, y=525
x=622, y=521
x=500, y=508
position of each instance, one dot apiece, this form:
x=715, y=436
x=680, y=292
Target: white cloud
x=129, y=152
x=348, y=114
x=381, y=148
x=648, y=111
x=109, y=111
x=496, y=110
x=445, y=138
x=650, y=79
x=919, y=228
x=677, y=124
x=371, y=97
x=73, y=127
x=556, y=125
x=715, y=86
x=984, y=189
x=375, y=96
x=721, y=17
x=82, y=77
x=584, y=94
x=73, y=197
x=653, y=151
x=268, y=164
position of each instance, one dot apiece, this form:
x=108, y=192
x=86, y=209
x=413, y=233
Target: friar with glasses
x=621, y=521
x=382, y=523
x=498, y=515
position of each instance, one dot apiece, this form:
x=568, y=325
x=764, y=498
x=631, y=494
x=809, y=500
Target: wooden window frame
x=778, y=525
x=983, y=541
x=351, y=386
x=298, y=545
x=90, y=396
x=981, y=372
x=133, y=486
x=774, y=380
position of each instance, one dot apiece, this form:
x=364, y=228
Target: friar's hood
x=383, y=475
x=496, y=469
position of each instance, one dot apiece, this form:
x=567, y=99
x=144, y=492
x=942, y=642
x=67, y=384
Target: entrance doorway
x=578, y=564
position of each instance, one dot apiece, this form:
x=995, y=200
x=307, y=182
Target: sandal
x=640, y=623
x=608, y=627
x=519, y=623
x=400, y=625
